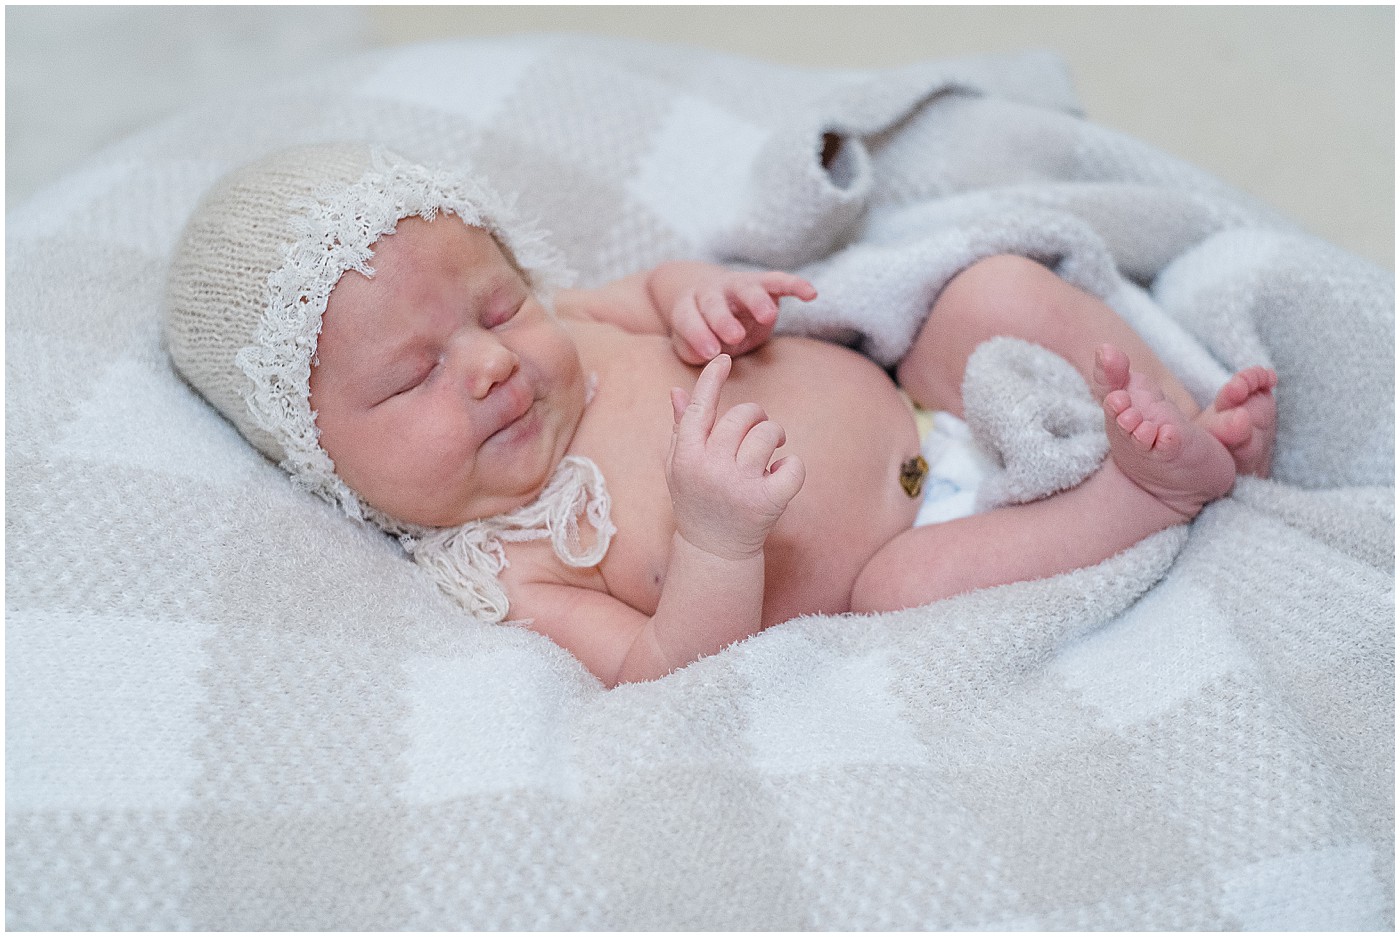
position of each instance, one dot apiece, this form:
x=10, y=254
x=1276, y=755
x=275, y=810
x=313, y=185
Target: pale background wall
x=1293, y=104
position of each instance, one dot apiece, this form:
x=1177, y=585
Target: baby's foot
x=1244, y=417
x=1174, y=459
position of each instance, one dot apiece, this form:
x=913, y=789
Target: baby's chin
x=478, y=505
x=420, y=516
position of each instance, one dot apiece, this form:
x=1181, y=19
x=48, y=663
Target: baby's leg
x=1017, y=297
x=1164, y=468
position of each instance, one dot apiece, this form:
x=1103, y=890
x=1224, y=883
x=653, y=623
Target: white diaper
x=956, y=468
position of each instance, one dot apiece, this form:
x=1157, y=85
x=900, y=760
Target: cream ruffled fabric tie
x=466, y=561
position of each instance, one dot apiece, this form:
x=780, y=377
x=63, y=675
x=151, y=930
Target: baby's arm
x=707, y=603
x=707, y=309
x=727, y=497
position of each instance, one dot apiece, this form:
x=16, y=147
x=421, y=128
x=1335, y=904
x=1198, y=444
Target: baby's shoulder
x=572, y=607
x=534, y=561
x=533, y=570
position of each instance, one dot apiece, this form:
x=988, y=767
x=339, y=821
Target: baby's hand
x=731, y=312
x=725, y=494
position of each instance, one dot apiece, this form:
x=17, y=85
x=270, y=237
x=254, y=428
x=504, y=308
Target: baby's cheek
x=384, y=448
x=438, y=453
x=563, y=365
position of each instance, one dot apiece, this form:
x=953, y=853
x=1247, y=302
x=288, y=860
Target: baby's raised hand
x=732, y=311
x=725, y=493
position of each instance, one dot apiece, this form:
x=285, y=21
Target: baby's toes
x=1145, y=433
x=1135, y=424
x=1169, y=441
x=1243, y=385
x=1116, y=402
x=1128, y=419
x=1234, y=392
x=1110, y=369
x=1232, y=428
x=1259, y=378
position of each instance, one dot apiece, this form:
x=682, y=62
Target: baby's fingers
x=779, y=283
x=698, y=418
x=695, y=341
x=784, y=479
x=759, y=297
x=719, y=316
x=756, y=301
x=758, y=446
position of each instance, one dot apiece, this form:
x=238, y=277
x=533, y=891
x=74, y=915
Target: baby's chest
x=630, y=447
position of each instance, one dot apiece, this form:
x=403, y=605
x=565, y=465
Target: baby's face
x=444, y=391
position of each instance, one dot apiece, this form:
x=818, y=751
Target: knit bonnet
x=247, y=289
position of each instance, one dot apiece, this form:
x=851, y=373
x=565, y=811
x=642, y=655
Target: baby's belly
x=853, y=431
x=842, y=415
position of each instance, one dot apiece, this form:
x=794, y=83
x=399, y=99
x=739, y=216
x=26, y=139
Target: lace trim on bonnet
x=332, y=233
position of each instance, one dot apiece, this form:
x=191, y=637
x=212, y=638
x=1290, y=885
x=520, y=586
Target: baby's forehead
x=444, y=245
x=423, y=267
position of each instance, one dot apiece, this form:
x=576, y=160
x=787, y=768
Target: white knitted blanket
x=229, y=708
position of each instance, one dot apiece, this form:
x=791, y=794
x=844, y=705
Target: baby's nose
x=494, y=364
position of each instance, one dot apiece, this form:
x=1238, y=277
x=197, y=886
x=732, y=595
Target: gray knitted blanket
x=230, y=708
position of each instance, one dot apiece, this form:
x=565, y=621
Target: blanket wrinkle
x=1031, y=409
x=796, y=217
x=227, y=710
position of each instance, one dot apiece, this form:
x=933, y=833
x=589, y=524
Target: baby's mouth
x=516, y=415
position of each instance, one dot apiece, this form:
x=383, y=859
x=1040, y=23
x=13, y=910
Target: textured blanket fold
x=229, y=708
x=1033, y=411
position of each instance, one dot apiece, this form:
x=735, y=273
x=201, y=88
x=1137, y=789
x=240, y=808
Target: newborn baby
x=730, y=480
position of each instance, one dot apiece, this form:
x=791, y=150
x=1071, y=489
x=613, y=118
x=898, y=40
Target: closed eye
x=511, y=313
x=415, y=380
x=503, y=306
